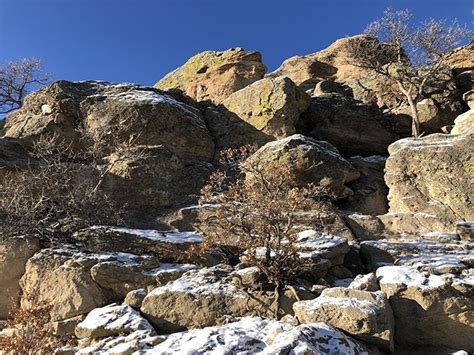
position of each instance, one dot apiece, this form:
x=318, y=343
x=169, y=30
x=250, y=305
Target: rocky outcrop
x=307, y=161
x=272, y=106
x=215, y=75
x=352, y=127
x=430, y=308
x=432, y=175
x=14, y=253
x=364, y=315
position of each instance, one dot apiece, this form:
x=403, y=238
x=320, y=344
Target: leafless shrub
x=17, y=79
x=253, y=209
x=31, y=332
x=56, y=192
x=413, y=57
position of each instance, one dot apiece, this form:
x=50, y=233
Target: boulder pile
x=389, y=252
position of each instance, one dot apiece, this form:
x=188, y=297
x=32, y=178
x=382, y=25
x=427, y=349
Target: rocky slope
x=391, y=260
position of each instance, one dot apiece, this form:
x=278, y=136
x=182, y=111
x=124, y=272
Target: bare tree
x=413, y=57
x=255, y=214
x=18, y=79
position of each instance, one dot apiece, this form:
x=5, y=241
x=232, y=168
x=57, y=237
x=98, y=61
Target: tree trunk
x=415, y=123
x=277, y=300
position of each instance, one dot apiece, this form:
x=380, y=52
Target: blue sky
x=141, y=40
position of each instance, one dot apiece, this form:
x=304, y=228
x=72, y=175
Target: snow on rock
x=166, y=237
x=112, y=320
x=430, y=309
x=365, y=315
x=260, y=336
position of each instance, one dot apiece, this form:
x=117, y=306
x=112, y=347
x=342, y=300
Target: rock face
x=430, y=309
x=353, y=128
x=215, y=75
x=308, y=161
x=432, y=175
x=169, y=139
x=14, y=253
x=365, y=315
x=272, y=106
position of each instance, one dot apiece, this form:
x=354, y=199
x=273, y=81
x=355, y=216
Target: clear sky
x=141, y=40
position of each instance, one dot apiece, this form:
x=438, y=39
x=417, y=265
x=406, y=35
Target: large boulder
x=352, y=127
x=272, y=106
x=430, y=308
x=307, y=161
x=200, y=298
x=432, y=175
x=112, y=320
x=213, y=75
x=364, y=315
x=145, y=115
x=14, y=253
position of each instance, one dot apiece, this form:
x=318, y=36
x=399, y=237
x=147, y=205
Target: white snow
x=408, y=276
x=166, y=237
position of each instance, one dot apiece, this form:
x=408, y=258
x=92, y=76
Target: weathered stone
x=272, y=106
x=365, y=315
x=200, y=298
x=66, y=327
x=73, y=282
x=307, y=161
x=215, y=75
x=111, y=320
x=465, y=230
x=135, y=298
x=366, y=282
x=468, y=98
x=436, y=310
x=352, y=127
x=464, y=124
x=432, y=175
x=370, y=191
x=461, y=59
x=465, y=81
x=365, y=227
x=14, y=253
x=438, y=256
x=169, y=247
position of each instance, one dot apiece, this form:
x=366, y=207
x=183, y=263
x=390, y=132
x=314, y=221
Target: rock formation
x=387, y=251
